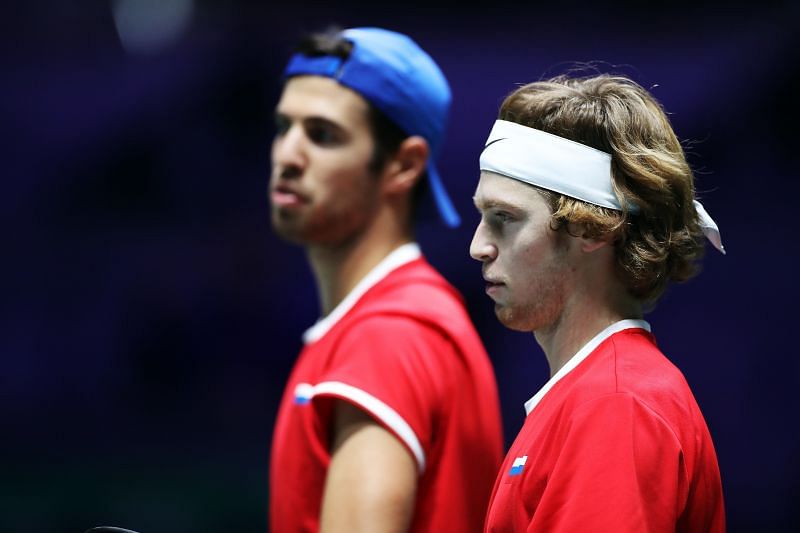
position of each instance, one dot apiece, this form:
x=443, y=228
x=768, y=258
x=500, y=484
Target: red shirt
x=407, y=354
x=618, y=444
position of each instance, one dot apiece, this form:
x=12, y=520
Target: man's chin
x=510, y=319
x=288, y=231
x=303, y=234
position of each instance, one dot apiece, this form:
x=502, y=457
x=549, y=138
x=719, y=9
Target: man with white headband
x=390, y=419
x=587, y=213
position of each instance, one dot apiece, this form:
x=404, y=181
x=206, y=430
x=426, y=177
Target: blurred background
x=150, y=316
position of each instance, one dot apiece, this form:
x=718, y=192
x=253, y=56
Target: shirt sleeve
x=395, y=369
x=620, y=469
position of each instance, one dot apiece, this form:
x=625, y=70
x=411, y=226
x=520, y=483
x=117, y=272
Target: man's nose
x=288, y=152
x=481, y=248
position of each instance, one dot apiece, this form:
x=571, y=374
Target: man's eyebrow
x=312, y=119
x=490, y=203
x=316, y=120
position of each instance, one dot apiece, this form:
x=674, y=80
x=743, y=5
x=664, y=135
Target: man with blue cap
x=390, y=420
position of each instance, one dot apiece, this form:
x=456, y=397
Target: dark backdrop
x=150, y=316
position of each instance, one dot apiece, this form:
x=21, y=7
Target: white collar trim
x=399, y=257
x=582, y=354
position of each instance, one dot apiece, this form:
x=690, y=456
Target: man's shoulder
x=412, y=302
x=631, y=365
x=415, y=289
x=641, y=367
x=628, y=363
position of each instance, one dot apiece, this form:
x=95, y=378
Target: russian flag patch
x=303, y=393
x=518, y=465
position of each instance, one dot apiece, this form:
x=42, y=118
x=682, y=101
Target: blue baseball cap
x=400, y=79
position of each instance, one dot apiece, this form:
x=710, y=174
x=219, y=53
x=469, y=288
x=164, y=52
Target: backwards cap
x=401, y=80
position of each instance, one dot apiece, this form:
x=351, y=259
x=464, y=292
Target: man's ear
x=589, y=244
x=406, y=166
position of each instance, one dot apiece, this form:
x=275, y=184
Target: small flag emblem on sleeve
x=303, y=393
x=518, y=465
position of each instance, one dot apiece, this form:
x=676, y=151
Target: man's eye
x=322, y=135
x=500, y=217
x=281, y=125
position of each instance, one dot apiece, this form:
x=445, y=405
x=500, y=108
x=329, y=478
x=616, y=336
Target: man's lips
x=492, y=285
x=286, y=197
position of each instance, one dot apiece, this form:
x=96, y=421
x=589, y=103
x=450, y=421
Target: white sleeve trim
x=379, y=410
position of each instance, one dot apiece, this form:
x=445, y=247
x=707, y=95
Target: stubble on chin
x=510, y=317
x=287, y=226
x=542, y=312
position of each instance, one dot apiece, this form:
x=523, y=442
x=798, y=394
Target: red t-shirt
x=407, y=354
x=617, y=445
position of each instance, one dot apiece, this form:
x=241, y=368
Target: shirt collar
x=582, y=354
x=400, y=256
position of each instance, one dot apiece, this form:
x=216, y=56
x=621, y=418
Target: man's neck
x=584, y=315
x=338, y=269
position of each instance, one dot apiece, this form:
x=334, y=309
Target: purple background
x=150, y=316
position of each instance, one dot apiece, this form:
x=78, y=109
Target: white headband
x=564, y=166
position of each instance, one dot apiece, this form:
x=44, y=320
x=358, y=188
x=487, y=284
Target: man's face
x=525, y=263
x=320, y=189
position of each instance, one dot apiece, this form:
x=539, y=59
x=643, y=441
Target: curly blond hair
x=662, y=241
